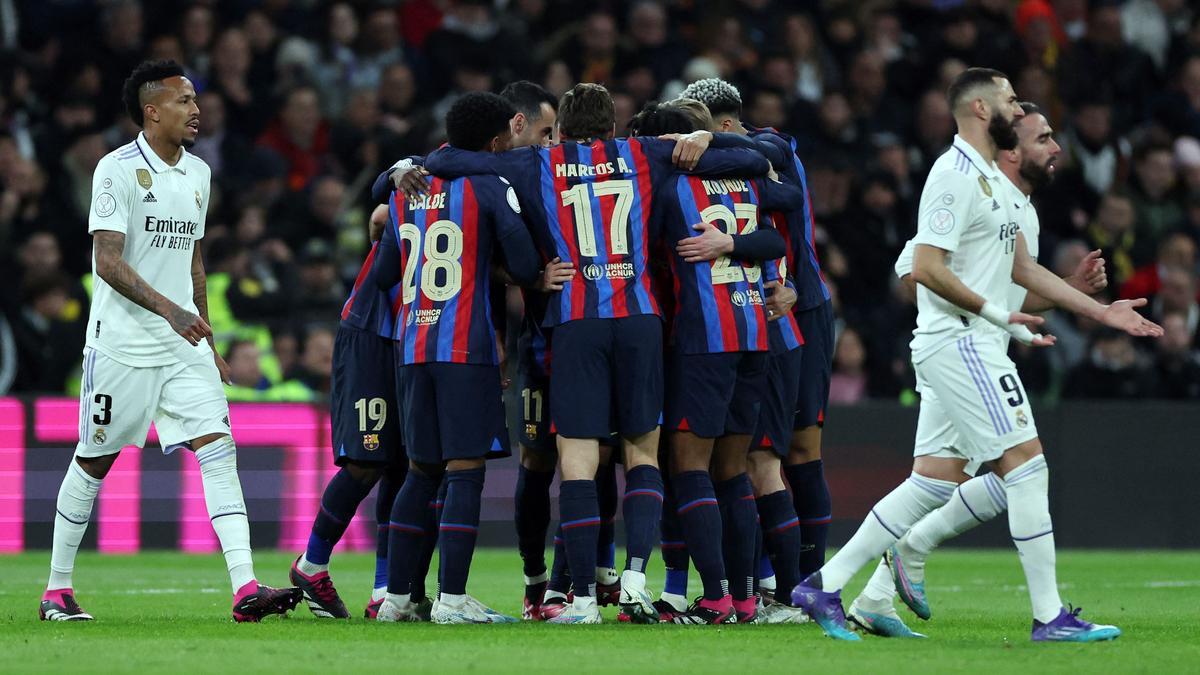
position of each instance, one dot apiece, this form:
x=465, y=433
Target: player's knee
x=429, y=470
x=805, y=446
x=1018, y=455
x=96, y=467
x=940, y=468
x=542, y=462
x=201, y=441
x=690, y=452
x=763, y=467
x=465, y=464
x=366, y=474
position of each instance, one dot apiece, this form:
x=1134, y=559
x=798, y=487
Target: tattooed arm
x=113, y=269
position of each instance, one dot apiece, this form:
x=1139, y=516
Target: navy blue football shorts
x=781, y=400
x=714, y=395
x=452, y=411
x=608, y=377
x=816, y=325
x=533, y=406
x=363, y=407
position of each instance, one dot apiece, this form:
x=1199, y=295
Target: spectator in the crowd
x=1092, y=162
x=245, y=105
x=871, y=234
x=1178, y=108
x=299, y=135
x=1113, y=369
x=49, y=333
x=933, y=130
x=1175, y=250
x=815, y=67
x=244, y=371
x=196, y=31
x=408, y=124
x=356, y=138
x=320, y=294
x=119, y=49
x=849, y=382
x=315, y=365
x=1155, y=197
x=337, y=70
x=470, y=31
x=224, y=151
x=71, y=190
x=653, y=44
x=1069, y=329
x=263, y=38
x=1178, y=359
x=1177, y=295
x=1149, y=25
x=1112, y=231
x=314, y=216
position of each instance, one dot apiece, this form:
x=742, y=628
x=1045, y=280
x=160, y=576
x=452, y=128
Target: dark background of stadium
x=303, y=102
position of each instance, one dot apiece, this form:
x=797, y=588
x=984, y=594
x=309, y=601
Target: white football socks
x=975, y=502
x=1029, y=523
x=76, y=496
x=227, y=508
x=880, y=588
x=888, y=521
x=308, y=568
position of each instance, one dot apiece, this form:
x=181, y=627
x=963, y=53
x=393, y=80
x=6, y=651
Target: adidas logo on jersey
x=149, y=198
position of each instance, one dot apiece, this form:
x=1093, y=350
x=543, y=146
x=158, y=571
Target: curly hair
x=142, y=81
x=721, y=97
x=477, y=118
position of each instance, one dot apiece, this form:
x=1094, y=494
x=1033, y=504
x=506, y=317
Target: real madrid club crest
x=99, y=436
x=370, y=442
x=983, y=184
x=1022, y=420
x=198, y=200
x=144, y=178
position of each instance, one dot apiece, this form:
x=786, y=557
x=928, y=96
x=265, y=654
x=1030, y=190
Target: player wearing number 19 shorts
x=366, y=440
x=588, y=201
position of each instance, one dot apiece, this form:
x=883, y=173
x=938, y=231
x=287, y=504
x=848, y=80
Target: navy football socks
x=740, y=534
x=810, y=495
x=385, y=497
x=532, y=515
x=459, y=528
x=642, y=508
x=606, y=537
x=580, y=518
x=781, y=531
x=560, y=575
x=701, y=520
x=674, y=550
x=340, y=501
x=406, y=530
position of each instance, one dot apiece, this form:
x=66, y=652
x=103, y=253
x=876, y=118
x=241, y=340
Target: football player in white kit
x=968, y=252
x=148, y=355
x=1028, y=167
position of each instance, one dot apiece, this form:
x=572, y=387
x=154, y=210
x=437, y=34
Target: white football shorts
x=973, y=405
x=117, y=402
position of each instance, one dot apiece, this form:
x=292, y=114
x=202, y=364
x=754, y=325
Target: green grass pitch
x=167, y=612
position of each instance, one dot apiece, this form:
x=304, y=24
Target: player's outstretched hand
x=411, y=182
x=1121, y=314
x=222, y=368
x=1030, y=321
x=780, y=301
x=1090, y=277
x=189, y=326
x=555, y=275
x=688, y=148
x=710, y=245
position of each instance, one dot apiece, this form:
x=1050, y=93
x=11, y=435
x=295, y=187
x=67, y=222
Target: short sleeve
x=112, y=198
x=945, y=210
x=205, y=193
x=904, y=263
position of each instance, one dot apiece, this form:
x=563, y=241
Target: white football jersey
x=965, y=209
x=161, y=210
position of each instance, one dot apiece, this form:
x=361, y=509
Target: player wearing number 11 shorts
x=588, y=201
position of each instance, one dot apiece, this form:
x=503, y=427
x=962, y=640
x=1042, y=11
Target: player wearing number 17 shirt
x=149, y=354
x=439, y=247
x=589, y=202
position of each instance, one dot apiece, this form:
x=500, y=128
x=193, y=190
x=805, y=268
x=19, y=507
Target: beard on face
x=1038, y=175
x=1003, y=133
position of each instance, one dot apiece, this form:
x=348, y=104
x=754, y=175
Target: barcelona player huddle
x=675, y=324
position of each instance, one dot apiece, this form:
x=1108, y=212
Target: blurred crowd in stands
x=303, y=102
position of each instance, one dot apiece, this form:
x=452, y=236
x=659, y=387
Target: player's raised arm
x=1028, y=273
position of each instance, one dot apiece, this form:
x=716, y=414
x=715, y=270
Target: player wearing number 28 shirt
x=439, y=248
x=589, y=202
x=149, y=354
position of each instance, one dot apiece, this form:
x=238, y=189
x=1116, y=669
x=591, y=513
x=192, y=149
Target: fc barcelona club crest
x=370, y=442
x=144, y=178
x=531, y=431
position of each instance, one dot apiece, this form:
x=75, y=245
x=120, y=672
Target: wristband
x=1022, y=334
x=995, y=314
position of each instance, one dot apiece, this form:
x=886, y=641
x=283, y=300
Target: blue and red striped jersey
x=439, y=248
x=591, y=204
x=719, y=304
x=369, y=308
x=798, y=226
x=785, y=331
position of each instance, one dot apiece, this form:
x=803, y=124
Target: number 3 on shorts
x=103, y=416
